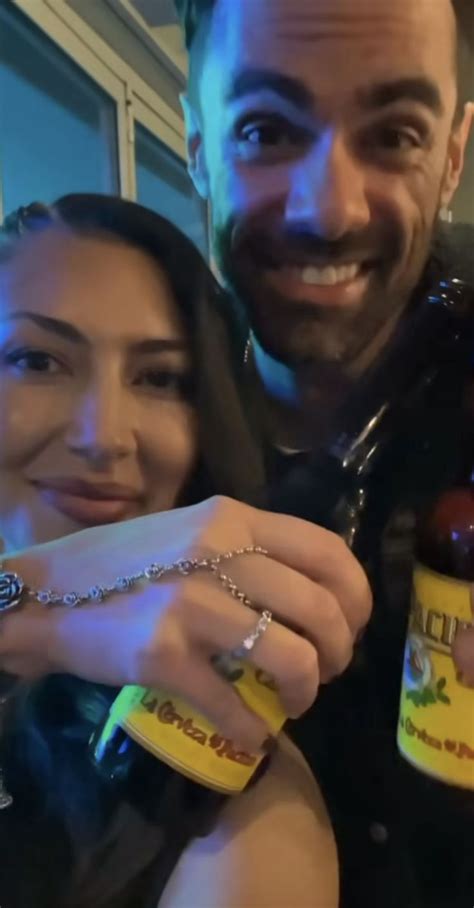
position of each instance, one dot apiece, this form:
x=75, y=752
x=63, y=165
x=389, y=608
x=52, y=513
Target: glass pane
x=164, y=185
x=57, y=127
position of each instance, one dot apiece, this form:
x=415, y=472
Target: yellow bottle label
x=436, y=722
x=176, y=733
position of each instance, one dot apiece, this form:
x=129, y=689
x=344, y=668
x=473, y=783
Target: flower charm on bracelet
x=11, y=590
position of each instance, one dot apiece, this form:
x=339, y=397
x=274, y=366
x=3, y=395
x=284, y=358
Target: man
x=328, y=135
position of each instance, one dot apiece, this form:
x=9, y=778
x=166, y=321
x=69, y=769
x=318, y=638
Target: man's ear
x=456, y=152
x=194, y=148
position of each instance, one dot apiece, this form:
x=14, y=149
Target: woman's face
x=95, y=369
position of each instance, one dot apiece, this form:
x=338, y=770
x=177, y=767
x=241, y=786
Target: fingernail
x=465, y=679
x=463, y=653
x=269, y=745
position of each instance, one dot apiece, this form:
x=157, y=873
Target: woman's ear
x=195, y=148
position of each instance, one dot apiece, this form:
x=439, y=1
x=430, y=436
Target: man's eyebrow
x=414, y=88
x=418, y=89
x=250, y=81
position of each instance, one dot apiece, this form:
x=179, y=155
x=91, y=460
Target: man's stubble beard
x=303, y=336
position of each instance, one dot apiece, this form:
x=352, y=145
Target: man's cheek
x=243, y=191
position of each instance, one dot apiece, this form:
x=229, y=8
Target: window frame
x=134, y=100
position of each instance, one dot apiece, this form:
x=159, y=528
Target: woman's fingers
x=215, y=698
x=217, y=624
x=317, y=553
x=300, y=604
x=312, y=584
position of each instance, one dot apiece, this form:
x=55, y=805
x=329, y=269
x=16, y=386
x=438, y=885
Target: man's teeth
x=329, y=276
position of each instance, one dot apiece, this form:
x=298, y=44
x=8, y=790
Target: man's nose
x=101, y=426
x=328, y=191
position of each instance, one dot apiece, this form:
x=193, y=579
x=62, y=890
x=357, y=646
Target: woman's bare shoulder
x=273, y=847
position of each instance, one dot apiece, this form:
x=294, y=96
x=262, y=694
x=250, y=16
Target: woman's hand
x=164, y=634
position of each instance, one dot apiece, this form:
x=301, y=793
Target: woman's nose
x=101, y=425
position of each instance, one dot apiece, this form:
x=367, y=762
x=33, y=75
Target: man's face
x=326, y=146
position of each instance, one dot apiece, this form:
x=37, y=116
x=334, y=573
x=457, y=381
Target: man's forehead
x=337, y=15
x=289, y=34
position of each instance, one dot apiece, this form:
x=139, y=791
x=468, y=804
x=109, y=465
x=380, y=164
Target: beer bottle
x=436, y=722
x=143, y=721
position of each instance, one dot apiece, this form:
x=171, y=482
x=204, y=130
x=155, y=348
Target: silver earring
x=446, y=214
x=248, y=347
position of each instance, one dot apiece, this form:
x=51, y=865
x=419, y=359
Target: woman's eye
x=33, y=361
x=173, y=383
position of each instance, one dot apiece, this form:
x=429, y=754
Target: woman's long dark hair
x=61, y=811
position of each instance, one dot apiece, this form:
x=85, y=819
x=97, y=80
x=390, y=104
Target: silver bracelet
x=14, y=591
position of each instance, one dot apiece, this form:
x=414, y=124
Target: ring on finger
x=248, y=643
x=225, y=663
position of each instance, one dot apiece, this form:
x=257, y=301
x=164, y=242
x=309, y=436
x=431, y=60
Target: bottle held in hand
x=170, y=730
x=436, y=722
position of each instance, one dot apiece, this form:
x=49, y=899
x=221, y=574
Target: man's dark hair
x=195, y=17
x=191, y=14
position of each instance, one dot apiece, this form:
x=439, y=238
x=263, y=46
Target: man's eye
x=397, y=139
x=265, y=133
x=263, y=136
x=33, y=361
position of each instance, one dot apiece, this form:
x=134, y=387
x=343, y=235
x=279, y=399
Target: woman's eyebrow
x=55, y=325
x=72, y=334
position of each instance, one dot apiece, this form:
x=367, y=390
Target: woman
x=115, y=403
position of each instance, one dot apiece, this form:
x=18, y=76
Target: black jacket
x=404, y=842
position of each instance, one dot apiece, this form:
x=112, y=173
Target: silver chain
x=230, y=586
x=11, y=584
x=12, y=589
